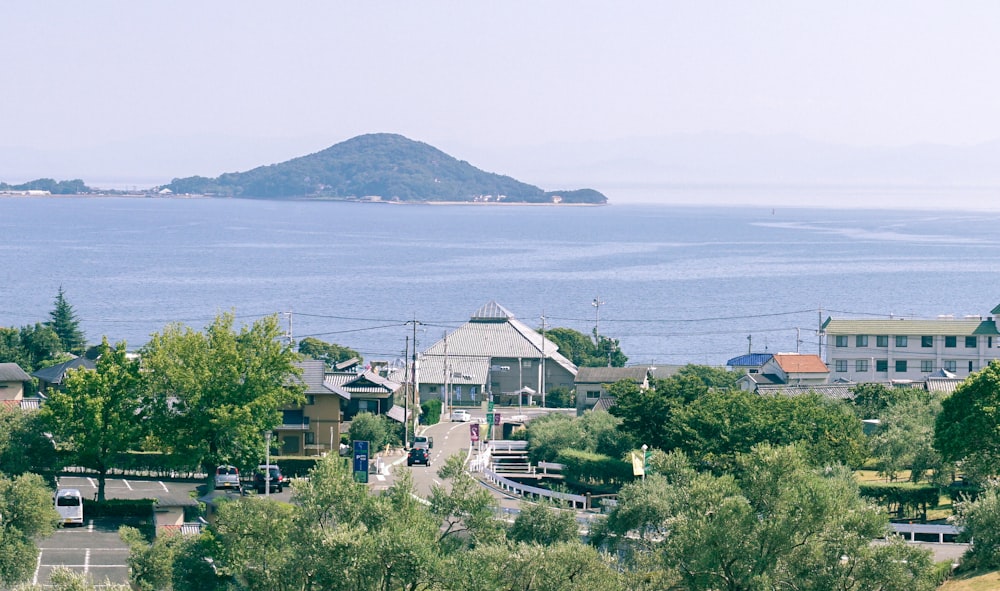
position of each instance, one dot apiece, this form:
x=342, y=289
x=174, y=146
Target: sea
x=673, y=284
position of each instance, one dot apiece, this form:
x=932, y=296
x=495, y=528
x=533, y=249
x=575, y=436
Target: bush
x=431, y=412
x=141, y=508
x=902, y=499
x=596, y=469
x=295, y=466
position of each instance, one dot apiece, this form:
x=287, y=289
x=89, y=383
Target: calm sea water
x=677, y=284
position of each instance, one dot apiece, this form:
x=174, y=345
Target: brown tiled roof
x=796, y=363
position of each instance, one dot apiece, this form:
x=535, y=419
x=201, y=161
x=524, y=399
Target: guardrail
x=577, y=501
x=911, y=530
x=505, y=445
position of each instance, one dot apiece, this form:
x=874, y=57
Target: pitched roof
x=604, y=403
x=610, y=375
x=314, y=376
x=12, y=372
x=833, y=391
x=55, y=373
x=934, y=327
x=494, y=332
x=750, y=360
x=463, y=370
x=366, y=385
x=800, y=363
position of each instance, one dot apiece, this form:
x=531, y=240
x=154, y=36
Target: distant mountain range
x=378, y=167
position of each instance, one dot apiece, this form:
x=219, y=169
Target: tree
x=24, y=446
x=586, y=352
x=63, y=320
x=871, y=399
x=64, y=579
x=97, y=414
x=981, y=522
x=467, y=509
x=775, y=523
x=27, y=514
x=548, y=434
x=375, y=429
x=212, y=395
x=566, y=566
x=331, y=353
x=905, y=437
x=968, y=427
x=538, y=523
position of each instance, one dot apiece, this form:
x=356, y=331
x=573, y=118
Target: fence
x=576, y=501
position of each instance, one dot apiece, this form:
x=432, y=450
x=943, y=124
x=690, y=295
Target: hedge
x=142, y=508
x=903, y=499
x=593, y=469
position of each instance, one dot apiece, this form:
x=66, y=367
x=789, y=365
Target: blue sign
x=361, y=461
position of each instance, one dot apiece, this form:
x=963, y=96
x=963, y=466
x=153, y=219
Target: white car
x=461, y=415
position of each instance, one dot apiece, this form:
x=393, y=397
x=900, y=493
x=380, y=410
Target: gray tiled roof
x=12, y=372
x=494, y=332
x=56, y=373
x=365, y=384
x=610, y=375
x=834, y=391
x=946, y=327
x=464, y=370
x=604, y=403
x=314, y=376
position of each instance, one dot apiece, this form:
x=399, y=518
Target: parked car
x=423, y=441
x=461, y=415
x=260, y=478
x=418, y=455
x=227, y=477
x=69, y=505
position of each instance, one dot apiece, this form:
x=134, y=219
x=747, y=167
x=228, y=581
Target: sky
x=140, y=92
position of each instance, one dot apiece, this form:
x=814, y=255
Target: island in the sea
x=374, y=167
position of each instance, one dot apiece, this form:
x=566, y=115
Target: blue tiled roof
x=750, y=360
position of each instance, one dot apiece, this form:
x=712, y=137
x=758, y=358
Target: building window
x=310, y=399
x=951, y=342
x=861, y=365
x=882, y=364
x=989, y=342
x=901, y=341
x=900, y=366
x=841, y=340
x=950, y=365
x=593, y=394
x=310, y=438
x=926, y=342
x=970, y=342
x=926, y=365
x=882, y=341
x=290, y=444
x=526, y=363
x=861, y=340
x=841, y=365
x=432, y=389
x=972, y=366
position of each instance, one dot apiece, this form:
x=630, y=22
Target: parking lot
x=94, y=549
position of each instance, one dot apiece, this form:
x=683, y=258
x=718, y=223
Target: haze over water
x=678, y=284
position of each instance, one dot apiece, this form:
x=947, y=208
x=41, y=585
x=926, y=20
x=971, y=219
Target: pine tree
x=67, y=326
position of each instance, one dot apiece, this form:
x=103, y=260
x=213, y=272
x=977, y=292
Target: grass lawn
x=973, y=582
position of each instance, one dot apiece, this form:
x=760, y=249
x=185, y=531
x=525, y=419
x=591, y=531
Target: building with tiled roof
x=312, y=428
x=592, y=383
x=13, y=383
x=492, y=352
x=901, y=348
x=749, y=363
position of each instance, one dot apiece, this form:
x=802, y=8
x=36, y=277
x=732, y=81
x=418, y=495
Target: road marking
x=380, y=478
x=86, y=561
x=92, y=483
x=38, y=566
x=127, y=484
x=90, y=526
x=436, y=481
x=165, y=489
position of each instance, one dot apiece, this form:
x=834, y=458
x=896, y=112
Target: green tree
x=586, y=352
x=980, y=519
x=375, y=429
x=97, y=414
x=24, y=446
x=905, y=438
x=64, y=579
x=27, y=514
x=775, y=523
x=212, y=395
x=548, y=434
x=871, y=399
x=968, y=427
x=560, y=397
x=467, y=509
x=63, y=320
x=40, y=347
x=538, y=523
x=566, y=566
x=331, y=353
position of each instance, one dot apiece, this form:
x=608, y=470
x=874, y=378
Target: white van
x=69, y=505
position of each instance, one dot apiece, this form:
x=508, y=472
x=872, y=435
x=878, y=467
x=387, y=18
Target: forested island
x=374, y=167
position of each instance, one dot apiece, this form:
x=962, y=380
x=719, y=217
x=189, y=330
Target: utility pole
x=406, y=393
x=749, y=344
x=288, y=335
x=541, y=382
x=447, y=374
x=597, y=303
x=819, y=333
x=413, y=368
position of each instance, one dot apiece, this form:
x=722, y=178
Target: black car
x=260, y=478
x=418, y=455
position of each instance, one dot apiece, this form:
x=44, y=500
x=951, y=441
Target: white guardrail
x=577, y=501
x=910, y=530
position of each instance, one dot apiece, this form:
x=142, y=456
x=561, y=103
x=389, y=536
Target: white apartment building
x=903, y=349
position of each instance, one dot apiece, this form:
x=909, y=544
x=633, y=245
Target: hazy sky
x=259, y=82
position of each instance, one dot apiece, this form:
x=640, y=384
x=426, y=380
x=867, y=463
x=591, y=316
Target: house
x=749, y=363
x=364, y=392
x=592, y=384
x=787, y=369
x=14, y=382
x=53, y=376
x=496, y=354
x=312, y=428
x=872, y=350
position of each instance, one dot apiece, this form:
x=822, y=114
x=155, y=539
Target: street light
x=644, y=448
x=267, y=464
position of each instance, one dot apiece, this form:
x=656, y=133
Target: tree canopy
x=213, y=394
x=968, y=427
x=63, y=320
x=586, y=352
x=331, y=353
